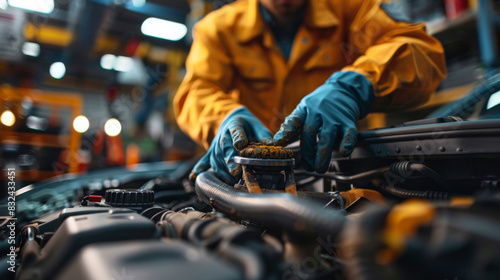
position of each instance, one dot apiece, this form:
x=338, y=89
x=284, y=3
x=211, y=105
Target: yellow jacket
x=235, y=61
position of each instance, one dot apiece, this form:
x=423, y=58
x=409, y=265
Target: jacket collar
x=319, y=15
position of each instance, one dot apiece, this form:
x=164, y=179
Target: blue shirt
x=284, y=34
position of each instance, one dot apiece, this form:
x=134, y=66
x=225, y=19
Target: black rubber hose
x=276, y=210
x=248, y=260
x=406, y=169
x=432, y=195
x=428, y=172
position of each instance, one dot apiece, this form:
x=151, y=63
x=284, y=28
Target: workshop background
x=88, y=84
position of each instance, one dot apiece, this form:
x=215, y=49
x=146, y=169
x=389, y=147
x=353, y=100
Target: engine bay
x=417, y=201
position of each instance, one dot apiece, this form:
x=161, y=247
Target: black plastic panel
x=147, y=260
x=465, y=154
x=51, y=222
x=476, y=138
x=78, y=231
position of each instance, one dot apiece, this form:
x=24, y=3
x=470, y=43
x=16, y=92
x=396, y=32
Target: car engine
x=416, y=201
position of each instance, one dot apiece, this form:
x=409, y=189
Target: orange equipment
x=17, y=135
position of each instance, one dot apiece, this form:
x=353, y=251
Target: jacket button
x=326, y=57
x=304, y=41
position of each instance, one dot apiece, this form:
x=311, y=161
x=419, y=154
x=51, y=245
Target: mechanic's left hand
x=331, y=110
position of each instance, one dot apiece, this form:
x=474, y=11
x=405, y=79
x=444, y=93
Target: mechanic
x=253, y=61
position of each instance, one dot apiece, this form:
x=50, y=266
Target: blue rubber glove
x=235, y=132
x=330, y=111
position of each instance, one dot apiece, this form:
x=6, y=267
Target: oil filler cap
x=129, y=198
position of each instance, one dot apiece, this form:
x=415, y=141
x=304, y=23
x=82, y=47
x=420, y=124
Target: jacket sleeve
x=203, y=98
x=403, y=62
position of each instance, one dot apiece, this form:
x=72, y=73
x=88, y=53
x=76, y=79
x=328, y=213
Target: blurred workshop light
x=81, y=124
x=118, y=63
x=163, y=29
x=8, y=118
x=123, y=64
x=41, y=6
x=26, y=107
x=108, y=61
x=138, y=3
x=3, y=4
x=37, y=123
x=494, y=100
x=112, y=127
x=31, y=49
x=57, y=70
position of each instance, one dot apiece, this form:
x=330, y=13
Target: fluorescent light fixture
x=57, y=70
x=8, y=118
x=494, y=100
x=123, y=64
x=3, y=4
x=112, y=127
x=138, y=3
x=163, y=29
x=108, y=61
x=81, y=124
x=118, y=63
x=40, y=6
x=31, y=49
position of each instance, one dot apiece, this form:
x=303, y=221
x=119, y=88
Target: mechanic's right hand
x=234, y=134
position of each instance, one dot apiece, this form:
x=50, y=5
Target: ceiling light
x=3, y=4
x=118, y=63
x=81, y=124
x=57, y=70
x=494, y=100
x=8, y=118
x=41, y=6
x=163, y=29
x=123, y=64
x=31, y=49
x=107, y=61
x=112, y=127
x=138, y=3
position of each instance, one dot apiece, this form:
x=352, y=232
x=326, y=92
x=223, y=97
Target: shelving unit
x=488, y=44
x=443, y=24
x=485, y=20
x=471, y=46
